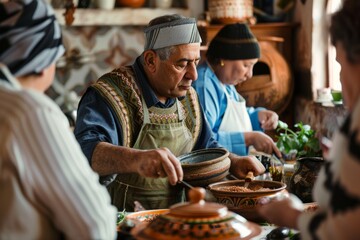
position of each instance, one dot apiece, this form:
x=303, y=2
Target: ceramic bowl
x=197, y=219
x=206, y=166
x=245, y=203
x=146, y=216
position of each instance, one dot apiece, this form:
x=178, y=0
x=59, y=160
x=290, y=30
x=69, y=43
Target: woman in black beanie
x=230, y=59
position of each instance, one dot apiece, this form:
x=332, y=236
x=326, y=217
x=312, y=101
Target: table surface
x=266, y=230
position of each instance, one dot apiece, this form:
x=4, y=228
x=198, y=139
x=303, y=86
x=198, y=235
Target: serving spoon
x=249, y=177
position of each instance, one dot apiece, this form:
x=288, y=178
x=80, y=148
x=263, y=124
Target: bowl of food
x=244, y=200
x=197, y=219
x=146, y=215
x=127, y=221
x=206, y=166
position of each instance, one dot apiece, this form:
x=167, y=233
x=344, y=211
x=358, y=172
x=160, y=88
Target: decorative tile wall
x=90, y=52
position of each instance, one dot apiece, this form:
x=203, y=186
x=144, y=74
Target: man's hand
x=268, y=119
x=241, y=165
x=159, y=163
x=282, y=213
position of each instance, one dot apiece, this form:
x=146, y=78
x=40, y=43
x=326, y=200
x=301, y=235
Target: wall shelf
x=117, y=16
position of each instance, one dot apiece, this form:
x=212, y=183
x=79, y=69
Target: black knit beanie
x=234, y=42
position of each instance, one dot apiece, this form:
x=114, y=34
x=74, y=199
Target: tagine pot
x=195, y=220
x=304, y=177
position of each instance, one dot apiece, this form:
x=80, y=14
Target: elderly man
x=134, y=121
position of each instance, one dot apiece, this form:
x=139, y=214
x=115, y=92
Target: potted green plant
x=300, y=142
x=302, y=145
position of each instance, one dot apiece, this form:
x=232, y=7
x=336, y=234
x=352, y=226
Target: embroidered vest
x=121, y=92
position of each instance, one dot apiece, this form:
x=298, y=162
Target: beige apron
x=236, y=117
x=154, y=193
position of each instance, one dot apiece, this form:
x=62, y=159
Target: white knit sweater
x=47, y=188
x=337, y=189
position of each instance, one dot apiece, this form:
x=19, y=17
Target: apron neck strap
x=226, y=92
x=241, y=99
x=179, y=110
x=146, y=110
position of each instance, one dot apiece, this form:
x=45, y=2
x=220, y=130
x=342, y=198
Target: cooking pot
x=205, y=166
x=197, y=219
x=245, y=203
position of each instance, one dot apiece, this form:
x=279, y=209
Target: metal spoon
x=278, y=159
x=186, y=184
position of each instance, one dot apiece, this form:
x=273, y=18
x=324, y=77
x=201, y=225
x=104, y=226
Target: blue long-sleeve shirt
x=213, y=100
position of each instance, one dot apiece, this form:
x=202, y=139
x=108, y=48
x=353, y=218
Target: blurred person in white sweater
x=47, y=188
x=336, y=189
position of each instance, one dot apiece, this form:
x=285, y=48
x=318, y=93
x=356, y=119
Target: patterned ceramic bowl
x=244, y=202
x=205, y=166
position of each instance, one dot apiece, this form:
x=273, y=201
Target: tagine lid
x=198, y=207
x=197, y=219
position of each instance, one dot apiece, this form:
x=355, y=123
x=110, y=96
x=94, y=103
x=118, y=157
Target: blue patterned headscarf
x=30, y=37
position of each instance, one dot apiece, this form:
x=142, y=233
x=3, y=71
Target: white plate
x=337, y=102
x=322, y=100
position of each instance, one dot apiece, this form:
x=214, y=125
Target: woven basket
x=230, y=11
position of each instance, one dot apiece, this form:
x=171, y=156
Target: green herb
x=120, y=217
x=303, y=139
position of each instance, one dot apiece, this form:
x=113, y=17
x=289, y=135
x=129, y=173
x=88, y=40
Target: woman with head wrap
x=336, y=189
x=135, y=121
x=47, y=189
x=231, y=57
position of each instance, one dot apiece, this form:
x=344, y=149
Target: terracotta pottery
x=230, y=11
x=197, y=219
x=130, y=3
x=205, y=166
x=304, y=177
x=245, y=203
